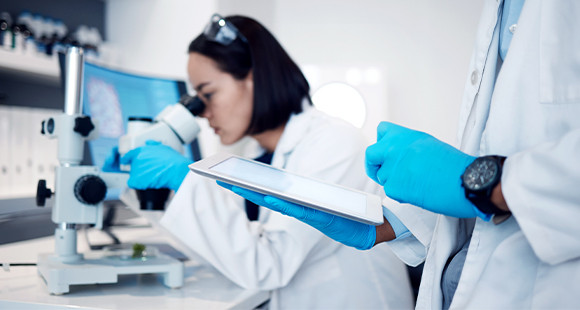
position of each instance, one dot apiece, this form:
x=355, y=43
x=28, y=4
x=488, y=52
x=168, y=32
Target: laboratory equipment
x=78, y=195
x=124, y=101
x=5, y=30
x=173, y=127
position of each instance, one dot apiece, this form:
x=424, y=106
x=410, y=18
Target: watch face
x=480, y=173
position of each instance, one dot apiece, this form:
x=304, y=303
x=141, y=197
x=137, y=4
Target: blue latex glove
x=155, y=165
x=414, y=167
x=112, y=162
x=348, y=232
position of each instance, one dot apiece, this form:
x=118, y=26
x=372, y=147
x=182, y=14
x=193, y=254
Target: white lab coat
x=530, y=113
x=303, y=268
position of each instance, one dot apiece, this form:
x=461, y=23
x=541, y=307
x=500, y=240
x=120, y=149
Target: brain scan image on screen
x=105, y=107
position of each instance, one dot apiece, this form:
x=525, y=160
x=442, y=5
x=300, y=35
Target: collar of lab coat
x=296, y=128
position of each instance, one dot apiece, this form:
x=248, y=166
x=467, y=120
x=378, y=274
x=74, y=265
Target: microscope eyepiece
x=194, y=104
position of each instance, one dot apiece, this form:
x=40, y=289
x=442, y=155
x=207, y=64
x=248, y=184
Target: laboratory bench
x=21, y=287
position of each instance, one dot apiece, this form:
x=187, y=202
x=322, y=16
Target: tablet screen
x=269, y=177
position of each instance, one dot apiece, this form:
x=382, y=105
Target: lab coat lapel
x=481, y=80
x=451, y=233
x=296, y=128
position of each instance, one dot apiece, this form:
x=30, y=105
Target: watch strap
x=484, y=203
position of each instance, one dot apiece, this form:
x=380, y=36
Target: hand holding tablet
x=319, y=195
x=348, y=232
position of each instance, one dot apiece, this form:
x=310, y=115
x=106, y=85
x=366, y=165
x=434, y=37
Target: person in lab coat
x=251, y=87
x=516, y=244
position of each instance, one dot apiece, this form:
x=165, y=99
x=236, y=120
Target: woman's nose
x=206, y=113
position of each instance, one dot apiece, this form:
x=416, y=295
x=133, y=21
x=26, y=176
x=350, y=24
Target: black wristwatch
x=479, y=180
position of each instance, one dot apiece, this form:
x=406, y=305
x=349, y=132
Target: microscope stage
x=95, y=268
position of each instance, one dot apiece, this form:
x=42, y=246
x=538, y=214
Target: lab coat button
x=513, y=28
x=474, y=77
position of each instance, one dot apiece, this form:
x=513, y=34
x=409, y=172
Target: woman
x=251, y=87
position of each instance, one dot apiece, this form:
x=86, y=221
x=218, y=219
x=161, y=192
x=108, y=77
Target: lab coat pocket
x=559, y=56
x=513, y=259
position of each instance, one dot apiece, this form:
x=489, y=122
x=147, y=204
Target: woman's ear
x=249, y=79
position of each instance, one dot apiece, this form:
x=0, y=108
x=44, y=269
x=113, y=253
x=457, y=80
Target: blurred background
x=366, y=61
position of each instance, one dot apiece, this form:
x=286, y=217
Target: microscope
x=78, y=199
x=175, y=126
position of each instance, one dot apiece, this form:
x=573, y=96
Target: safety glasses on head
x=221, y=31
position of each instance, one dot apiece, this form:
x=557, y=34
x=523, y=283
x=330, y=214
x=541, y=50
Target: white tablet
x=338, y=200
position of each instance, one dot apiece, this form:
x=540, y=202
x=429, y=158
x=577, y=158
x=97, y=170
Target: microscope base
x=96, y=269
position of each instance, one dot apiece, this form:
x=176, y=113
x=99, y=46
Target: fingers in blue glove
x=132, y=154
x=224, y=185
x=348, y=232
x=127, y=159
x=252, y=196
x=152, y=142
x=112, y=162
x=382, y=129
x=305, y=214
x=391, y=143
x=282, y=206
x=376, y=154
x=155, y=165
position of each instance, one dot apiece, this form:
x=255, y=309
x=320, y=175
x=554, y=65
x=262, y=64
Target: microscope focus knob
x=42, y=192
x=90, y=189
x=83, y=125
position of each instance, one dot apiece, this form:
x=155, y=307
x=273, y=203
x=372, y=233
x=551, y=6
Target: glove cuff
x=371, y=237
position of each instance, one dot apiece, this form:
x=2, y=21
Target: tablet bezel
x=374, y=212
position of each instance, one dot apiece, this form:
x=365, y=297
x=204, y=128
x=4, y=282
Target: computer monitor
x=111, y=96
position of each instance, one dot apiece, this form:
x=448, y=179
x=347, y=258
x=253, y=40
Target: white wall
x=421, y=47
x=152, y=36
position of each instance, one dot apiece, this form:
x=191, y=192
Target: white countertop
x=204, y=288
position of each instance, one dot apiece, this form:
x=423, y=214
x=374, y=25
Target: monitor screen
x=110, y=97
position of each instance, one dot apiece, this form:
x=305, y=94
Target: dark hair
x=279, y=85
